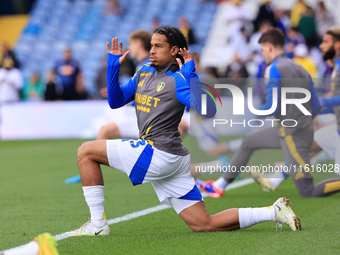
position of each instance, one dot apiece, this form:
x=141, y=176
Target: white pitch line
x=158, y=208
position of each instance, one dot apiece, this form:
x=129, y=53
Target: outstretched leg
x=199, y=220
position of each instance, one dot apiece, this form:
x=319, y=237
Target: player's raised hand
x=115, y=50
x=186, y=55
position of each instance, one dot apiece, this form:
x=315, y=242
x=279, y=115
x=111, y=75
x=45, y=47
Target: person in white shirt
x=11, y=81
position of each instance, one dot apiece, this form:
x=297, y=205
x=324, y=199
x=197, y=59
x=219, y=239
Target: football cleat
x=284, y=214
x=88, y=229
x=261, y=179
x=75, y=179
x=47, y=244
x=199, y=183
x=209, y=187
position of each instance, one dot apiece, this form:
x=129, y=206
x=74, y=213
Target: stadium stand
x=85, y=27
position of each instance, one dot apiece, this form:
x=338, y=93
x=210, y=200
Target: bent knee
x=83, y=151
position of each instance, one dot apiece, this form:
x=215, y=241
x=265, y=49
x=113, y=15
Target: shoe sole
x=108, y=233
x=296, y=219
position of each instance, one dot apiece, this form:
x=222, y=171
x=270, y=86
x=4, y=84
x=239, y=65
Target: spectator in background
x=238, y=42
x=101, y=81
x=254, y=39
x=265, y=13
x=33, y=89
x=69, y=72
x=293, y=38
x=324, y=19
x=282, y=20
x=301, y=57
x=236, y=17
x=113, y=8
x=154, y=24
x=7, y=53
x=186, y=30
x=53, y=88
x=11, y=82
x=307, y=26
x=296, y=13
x=236, y=70
x=206, y=75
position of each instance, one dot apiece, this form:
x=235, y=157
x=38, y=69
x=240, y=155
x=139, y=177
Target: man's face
x=4, y=48
x=182, y=22
x=266, y=49
x=35, y=78
x=67, y=55
x=134, y=48
x=327, y=47
x=161, y=54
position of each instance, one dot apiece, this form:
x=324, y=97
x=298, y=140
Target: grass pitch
x=34, y=199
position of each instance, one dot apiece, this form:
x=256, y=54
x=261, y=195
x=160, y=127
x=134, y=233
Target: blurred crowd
x=303, y=27
x=65, y=81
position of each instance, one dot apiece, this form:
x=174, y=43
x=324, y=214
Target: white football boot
x=88, y=229
x=284, y=214
x=263, y=180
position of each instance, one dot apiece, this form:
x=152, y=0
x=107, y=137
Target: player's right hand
x=115, y=50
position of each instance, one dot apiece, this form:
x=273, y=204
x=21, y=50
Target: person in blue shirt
x=69, y=72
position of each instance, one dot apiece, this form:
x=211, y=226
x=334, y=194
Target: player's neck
x=276, y=54
x=165, y=67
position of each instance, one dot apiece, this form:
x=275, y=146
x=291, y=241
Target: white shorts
x=168, y=173
x=324, y=119
x=127, y=123
x=328, y=139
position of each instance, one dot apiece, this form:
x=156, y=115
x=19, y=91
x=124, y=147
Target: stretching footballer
x=161, y=92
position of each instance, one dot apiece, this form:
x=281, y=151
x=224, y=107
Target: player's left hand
x=186, y=55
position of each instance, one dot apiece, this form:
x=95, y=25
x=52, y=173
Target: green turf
x=34, y=199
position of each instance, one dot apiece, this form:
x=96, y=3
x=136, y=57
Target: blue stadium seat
x=83, y=26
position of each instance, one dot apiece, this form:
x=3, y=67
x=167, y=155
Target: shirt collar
x=278, y=56
x=166, y=68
